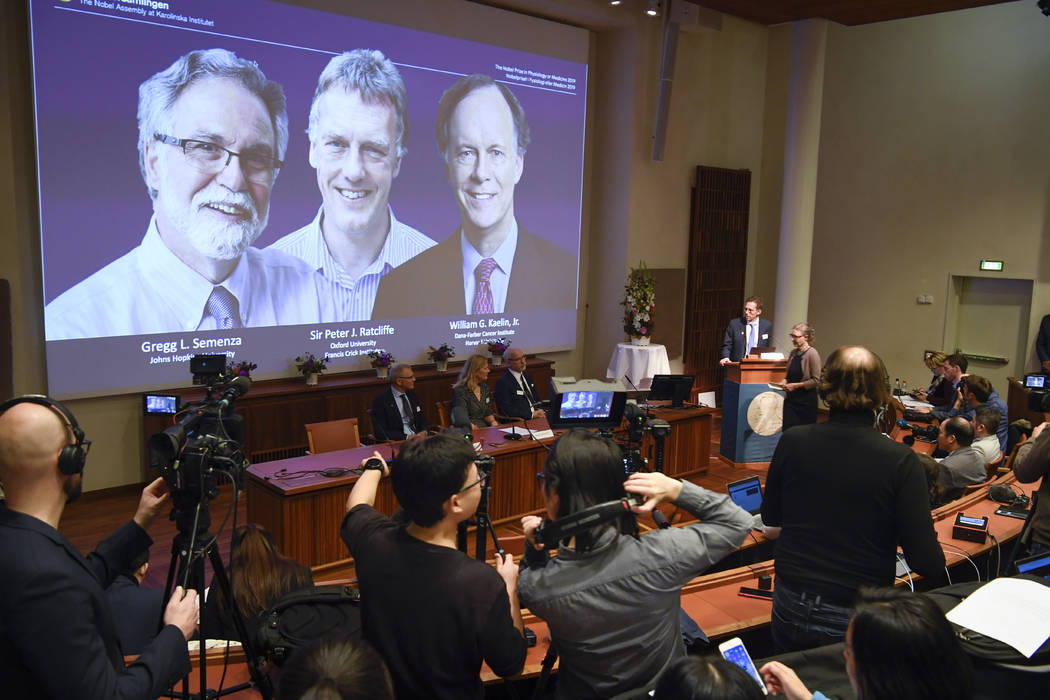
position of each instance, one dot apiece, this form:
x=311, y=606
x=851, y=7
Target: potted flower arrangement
x=381, y=360
x=440, y=355
x=496, y=348
x=240, y=369
x=639, y=303
x=311, y=367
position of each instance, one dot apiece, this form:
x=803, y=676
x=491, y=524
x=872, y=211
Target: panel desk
x=304, y=512
x=275, y=411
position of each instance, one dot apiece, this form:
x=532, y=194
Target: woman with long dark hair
x=898, y=645
x=259, y=575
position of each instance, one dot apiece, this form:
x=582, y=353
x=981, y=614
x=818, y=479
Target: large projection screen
x=127, y=294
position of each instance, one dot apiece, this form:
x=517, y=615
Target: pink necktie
x=482, y=289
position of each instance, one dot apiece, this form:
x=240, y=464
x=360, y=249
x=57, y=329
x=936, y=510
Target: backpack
x=306, y=615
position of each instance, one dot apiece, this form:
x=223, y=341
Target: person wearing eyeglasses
x=398, y=414
x=431, y=612
x=358, y=123
x=803, y=376
x=212, y=135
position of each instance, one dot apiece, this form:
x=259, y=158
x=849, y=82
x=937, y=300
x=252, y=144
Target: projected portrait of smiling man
x=212, y=135
x=491, y=264
x=358, y=121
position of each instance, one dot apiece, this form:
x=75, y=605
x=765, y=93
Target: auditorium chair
x=1008, y=463
x=992, y=468
x=333, y=435
x=370, y=436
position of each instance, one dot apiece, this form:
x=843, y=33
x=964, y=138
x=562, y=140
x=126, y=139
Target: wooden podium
x=752, y=412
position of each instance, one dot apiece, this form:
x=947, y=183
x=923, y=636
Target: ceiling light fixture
x=653, y=9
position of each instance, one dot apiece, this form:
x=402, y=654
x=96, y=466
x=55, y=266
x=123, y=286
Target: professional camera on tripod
x=602, y=405
x=202, y=446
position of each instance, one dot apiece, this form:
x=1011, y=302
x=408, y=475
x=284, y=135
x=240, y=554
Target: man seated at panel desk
x=515, y=392
x=397, y=413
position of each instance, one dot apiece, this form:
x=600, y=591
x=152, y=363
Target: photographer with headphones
x=57, y=634
x=843, y=497
x=611, y=599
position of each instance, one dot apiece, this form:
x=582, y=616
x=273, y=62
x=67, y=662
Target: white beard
x=210, y=237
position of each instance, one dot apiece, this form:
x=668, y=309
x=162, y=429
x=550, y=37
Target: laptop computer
x=747, y=493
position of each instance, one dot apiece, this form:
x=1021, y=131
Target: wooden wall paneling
x=670, y=308
x=716, y=266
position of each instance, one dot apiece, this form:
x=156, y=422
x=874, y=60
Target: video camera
x=206, y=441
x=1038, y=392
x=593, y=403
x=923, y=432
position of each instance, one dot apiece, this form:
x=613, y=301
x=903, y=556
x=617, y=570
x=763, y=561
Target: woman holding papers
x=803, y=375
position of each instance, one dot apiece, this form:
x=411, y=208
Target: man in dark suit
x=397, y=413
x=1042, y=344
x=744, y=334
x=57, y=634
x=491, y=265
x=515, y=392
x=136, y=608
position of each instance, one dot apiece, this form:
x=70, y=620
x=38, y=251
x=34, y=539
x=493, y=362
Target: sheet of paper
x=775, y=386
x=909, y=402
x=535, y=434
x=1014, y=611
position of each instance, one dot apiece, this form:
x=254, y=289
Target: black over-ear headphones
x=74, y=455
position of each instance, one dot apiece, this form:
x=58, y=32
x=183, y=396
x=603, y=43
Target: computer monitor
x=675, y=388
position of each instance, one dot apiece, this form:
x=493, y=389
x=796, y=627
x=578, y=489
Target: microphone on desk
x=513, y=434
x=461, y=421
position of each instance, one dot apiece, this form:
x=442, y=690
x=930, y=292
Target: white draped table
x=639, y=362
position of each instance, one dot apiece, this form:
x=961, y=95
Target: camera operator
x=57, y=634
x=430, y=611
x=611, y=600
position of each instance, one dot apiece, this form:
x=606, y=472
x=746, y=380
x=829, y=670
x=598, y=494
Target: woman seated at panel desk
x=471, y=391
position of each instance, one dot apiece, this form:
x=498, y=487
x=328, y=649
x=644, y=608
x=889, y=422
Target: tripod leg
x=259, y=679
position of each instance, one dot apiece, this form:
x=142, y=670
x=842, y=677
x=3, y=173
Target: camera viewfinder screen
x=586, y=404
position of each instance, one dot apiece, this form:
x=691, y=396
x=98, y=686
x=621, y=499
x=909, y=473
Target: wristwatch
x=373, y=463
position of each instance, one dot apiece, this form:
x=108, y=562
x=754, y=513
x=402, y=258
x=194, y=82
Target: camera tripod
x=190, y=546
x=483, y=522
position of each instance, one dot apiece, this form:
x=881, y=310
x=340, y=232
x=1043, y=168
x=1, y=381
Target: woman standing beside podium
x=803, y=375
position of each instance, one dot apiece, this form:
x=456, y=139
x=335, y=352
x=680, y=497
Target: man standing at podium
x=745, y=334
